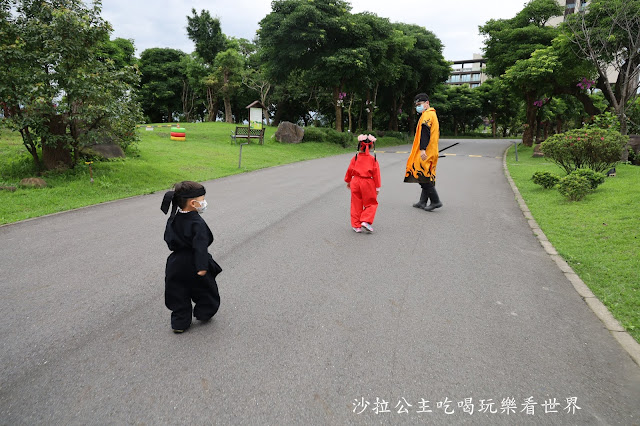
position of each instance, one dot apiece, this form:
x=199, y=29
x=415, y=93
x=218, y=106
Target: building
x=570, y=6
x=469, y=71
x=576, y=6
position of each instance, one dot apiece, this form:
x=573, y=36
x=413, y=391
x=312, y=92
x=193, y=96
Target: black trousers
x=183, y=285
x=429, y=189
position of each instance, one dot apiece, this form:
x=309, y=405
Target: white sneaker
x=358, y=230
x=367, y=226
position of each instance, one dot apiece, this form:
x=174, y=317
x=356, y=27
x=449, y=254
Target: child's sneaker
x=178, y=331
x=358, y=230
x=367, y=226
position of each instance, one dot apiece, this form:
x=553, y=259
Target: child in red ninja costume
x=363, y=178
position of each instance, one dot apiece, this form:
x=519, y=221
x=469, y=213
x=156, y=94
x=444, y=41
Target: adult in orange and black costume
x=421, y=165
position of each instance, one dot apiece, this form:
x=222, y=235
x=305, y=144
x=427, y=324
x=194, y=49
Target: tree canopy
x=56, y=87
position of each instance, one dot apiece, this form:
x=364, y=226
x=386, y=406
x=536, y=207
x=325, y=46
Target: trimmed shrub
x=340, y=138
x=324, y=134
x=595, y=149
x=574, y=187
x=394, y=134
x=594, y=178
x=545, y=179
x=313, y=134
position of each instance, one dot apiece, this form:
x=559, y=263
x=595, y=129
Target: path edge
x=616, y=329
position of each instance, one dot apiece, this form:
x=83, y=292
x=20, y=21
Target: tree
x=207, y=35
x=162, y=83
x=510, y=41
x=310, y=36
x=499, y=104
x=194, y=89
x=120, y=52
x=422, y=69
x=227, y=76
x=462, y=109
x=56, y=88
x=608, y=35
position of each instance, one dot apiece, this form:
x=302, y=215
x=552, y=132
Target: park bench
x=248, y=134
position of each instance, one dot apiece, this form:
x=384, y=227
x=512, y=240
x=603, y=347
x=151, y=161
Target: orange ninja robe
x=418, y=170
x=364, y=176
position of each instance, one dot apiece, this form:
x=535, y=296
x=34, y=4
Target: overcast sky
x=162, y=23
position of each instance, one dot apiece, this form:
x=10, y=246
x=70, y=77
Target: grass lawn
x=598, y=236
x=157, y=164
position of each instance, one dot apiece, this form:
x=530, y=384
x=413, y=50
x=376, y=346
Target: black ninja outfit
x=188, y=236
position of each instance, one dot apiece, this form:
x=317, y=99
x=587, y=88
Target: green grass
x=157, y=163
x=598, y=236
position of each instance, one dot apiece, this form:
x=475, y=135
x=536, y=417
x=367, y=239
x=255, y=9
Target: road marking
x=444, y=155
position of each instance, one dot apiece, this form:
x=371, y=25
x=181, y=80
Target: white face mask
x=203, y=206
x=420, y=109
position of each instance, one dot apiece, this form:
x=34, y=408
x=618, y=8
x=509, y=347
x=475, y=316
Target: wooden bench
x=248, y=134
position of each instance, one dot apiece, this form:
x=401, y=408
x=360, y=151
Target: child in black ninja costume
x=190, y=272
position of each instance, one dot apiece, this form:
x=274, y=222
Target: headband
x=171, y=199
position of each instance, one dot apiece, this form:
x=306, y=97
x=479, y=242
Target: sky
x=162, y=23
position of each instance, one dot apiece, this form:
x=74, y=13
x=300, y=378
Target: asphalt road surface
x=450, y=317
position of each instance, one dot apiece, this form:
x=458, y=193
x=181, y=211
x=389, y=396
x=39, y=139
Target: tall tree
x=499, y=104
x=462, y=109
x=608, y=35
x=56, y=88
x=120, y=52
x=511, y=40
x=422, y=69
x=227, y=76
x=309, y=36
x=205, y=32
x=162, y=83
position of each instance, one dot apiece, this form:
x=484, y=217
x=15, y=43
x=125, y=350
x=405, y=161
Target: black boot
x=424, y=197
x=435, y=200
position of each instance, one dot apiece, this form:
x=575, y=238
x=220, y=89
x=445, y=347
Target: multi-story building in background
x=570, y=6
x=472, y=71
x=469, y=71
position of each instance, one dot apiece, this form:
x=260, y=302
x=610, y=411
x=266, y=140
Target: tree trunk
x=278, y=115
x=55, y=152
x=228, y=116
x=27, y=140
x=371, y=107
x=531, y=114
x=393, y=123
x=338, y=108
x=493, y=124
x=538, y=129
x=349, y=113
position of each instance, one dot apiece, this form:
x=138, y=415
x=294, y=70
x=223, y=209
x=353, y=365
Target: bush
x=545, y=179
x=574, y=187
x=323, y=134
x=313, y=134
x=594, y=178
x=606, y=120
x=595, y=149
x=394, y=134
x=340, y=138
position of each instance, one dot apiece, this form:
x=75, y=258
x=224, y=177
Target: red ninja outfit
x=364, y=178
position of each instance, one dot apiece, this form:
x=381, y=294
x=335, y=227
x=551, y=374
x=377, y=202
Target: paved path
x=316, y=321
